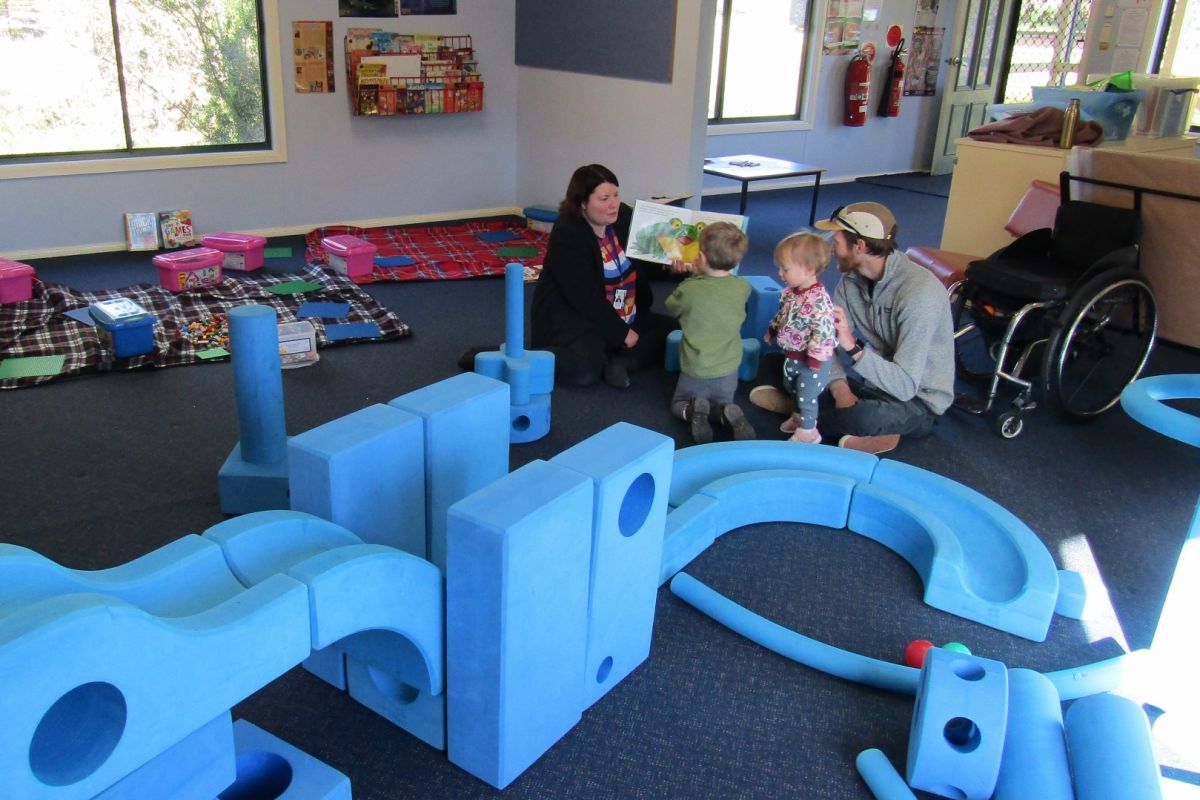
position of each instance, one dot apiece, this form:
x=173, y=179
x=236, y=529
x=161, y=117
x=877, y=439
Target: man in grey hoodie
x=893, y=322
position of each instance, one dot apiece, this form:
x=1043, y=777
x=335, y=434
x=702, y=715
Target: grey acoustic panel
x=616, y=38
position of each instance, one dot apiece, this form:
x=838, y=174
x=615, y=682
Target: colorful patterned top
x=804, y=324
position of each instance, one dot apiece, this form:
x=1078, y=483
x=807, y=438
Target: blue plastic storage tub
x=124, y=327
x=1113, y=110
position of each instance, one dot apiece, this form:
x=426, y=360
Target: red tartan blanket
x=439, y=252
x=37, y=327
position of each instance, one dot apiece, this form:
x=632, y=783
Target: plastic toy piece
x=630, y=469
x=255, y=475
x=881, y=777
x=1111, y=752
x=1034, y=763
x=1144, y=401
x=200, y=766
x=529, y=374
x=958, y=725
x=267, y=766
x=466, y=444
x=517, y=565
x=366, y=472
x=914, y=653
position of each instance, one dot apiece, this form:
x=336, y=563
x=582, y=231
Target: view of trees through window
x=1047, y=47
x=103, y=76
x=758, y=59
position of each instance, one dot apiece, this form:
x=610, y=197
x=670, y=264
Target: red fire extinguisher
x=889, y=104
x=858, y=86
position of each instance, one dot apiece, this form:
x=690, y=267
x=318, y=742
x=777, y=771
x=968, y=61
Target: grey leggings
x=805, y=385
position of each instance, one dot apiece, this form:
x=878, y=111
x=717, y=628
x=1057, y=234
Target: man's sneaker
x=616, y=373
x=771, y=399
x=733, y=418
x=806, y=435
x=884, y=443
x=697, y=417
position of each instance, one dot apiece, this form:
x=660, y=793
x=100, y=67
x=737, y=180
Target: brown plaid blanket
x=38, y=327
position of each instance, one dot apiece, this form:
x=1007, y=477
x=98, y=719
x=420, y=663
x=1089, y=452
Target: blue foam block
x=245, y=486
x=1034, y=763
x=1072, y=594
x=881, y=777
x=530, y=421
x=689, y=531
x=671, y=354
x=958, y=725
x=1144, y=401
x=366, y=472
x=630, y=468
x=517, y=568
x=531, y=373
x=1010, y=575
x=761, y=308
x=267, y=766
x=257, y=546
x=404, y=705
x=197, y=768
x=781, y=495
x=466, y=444
x=751, y=351
x=328, y=664
x=1111, y=751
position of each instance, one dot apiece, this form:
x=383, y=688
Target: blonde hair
x=804, y=248
x=723, y=244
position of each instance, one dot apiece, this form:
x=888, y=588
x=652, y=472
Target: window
x=763, y=60
x=112, y=79
x=1182, y=52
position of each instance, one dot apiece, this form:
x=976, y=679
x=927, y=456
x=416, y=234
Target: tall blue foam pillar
x=255, y=476
x=1111, y=750
x=514, y=310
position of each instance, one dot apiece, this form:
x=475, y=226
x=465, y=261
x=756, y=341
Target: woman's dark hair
x=583, y=182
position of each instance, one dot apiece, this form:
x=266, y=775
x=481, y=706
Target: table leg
x=745, y=189
x=812, y=214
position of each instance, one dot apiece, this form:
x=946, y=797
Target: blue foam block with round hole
x=416, y=711
x=267, y=766
x=199, y=767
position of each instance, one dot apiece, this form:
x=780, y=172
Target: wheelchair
x=1067, y=303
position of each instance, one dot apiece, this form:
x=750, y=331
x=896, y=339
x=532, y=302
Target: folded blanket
x=1041, y=127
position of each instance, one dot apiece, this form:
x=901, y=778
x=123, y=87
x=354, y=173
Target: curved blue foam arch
x=1143, y=400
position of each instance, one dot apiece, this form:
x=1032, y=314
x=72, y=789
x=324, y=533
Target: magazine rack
x=391, y=73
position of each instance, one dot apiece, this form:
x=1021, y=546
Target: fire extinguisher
x=858, y=86
x=889, y=104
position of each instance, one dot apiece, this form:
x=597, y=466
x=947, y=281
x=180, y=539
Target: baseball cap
x=868, y=220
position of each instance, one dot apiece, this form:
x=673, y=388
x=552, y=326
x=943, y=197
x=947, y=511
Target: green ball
x=957, y=647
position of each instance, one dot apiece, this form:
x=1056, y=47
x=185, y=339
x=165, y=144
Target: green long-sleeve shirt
x=711, y=310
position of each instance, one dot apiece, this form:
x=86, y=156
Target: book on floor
x=141, y=230
x=176, y=229
x=662, y=233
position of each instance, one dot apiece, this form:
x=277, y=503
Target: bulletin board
x=617, y=38
x=1120, y=36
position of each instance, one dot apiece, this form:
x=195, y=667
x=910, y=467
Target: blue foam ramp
x=698, y=466
x=466, y=444
x=260, y=545
x=630, y=469
x=881, y=777
x=958, y=726
x=1034, y=763
x=267, y=766
x=1111, y=751
x=197, y=768
x=420, y=713
x=366, y=472
x=517, y=568
x=137, y=682
x=1010, y=575
x=780, y=495
x=1144, y=401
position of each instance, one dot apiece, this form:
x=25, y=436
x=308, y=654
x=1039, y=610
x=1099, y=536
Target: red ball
x=914, y=654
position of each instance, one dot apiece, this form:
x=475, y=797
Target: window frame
x=807, y=81
x=223, y=156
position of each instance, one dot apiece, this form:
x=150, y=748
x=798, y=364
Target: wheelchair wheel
x=1009, y=424
x=1100, y=345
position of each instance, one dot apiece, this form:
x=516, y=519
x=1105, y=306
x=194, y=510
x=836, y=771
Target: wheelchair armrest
x=1034, y=243
x=1124, y=258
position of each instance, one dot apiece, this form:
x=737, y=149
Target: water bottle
x=1070, y=119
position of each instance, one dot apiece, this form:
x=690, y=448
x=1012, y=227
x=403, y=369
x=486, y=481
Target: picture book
x=663, y=234
x=141, y=230
x=176, y=229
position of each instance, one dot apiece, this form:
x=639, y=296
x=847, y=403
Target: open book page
x=661, y=233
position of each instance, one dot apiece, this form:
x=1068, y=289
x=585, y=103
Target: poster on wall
x=428, y=7
x=367, y=8
x=921, y=76
x=312, y=56
x=927, y=11
x=843, y=27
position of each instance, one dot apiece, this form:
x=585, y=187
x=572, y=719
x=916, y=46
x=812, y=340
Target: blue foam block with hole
x=197, y=768
x=366, y=472
x=267, y=766
x=1111, y=750
x=881, y=777
x=530, y=421
x=466, y=444
x=958, y=725
x=1034, y=763
x=1010, y=576
x=420, y=713
x=630, y=469
x=517, y=567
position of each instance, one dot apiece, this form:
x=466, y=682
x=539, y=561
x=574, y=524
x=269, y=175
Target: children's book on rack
x=663, y=234
x=392, y=73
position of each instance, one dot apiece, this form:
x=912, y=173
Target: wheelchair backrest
x=1085, y=232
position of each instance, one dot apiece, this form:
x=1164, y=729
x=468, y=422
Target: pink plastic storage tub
x=350, y=255
x=16, y=281
x=243, y=251
x=193, y=268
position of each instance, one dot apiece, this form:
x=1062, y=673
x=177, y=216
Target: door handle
x=954, y=61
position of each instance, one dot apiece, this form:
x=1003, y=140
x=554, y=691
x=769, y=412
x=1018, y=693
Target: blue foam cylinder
x=514, y=310
x=258, y=383
x=1112, y=755
x=1034, y=763
x=881, y=777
